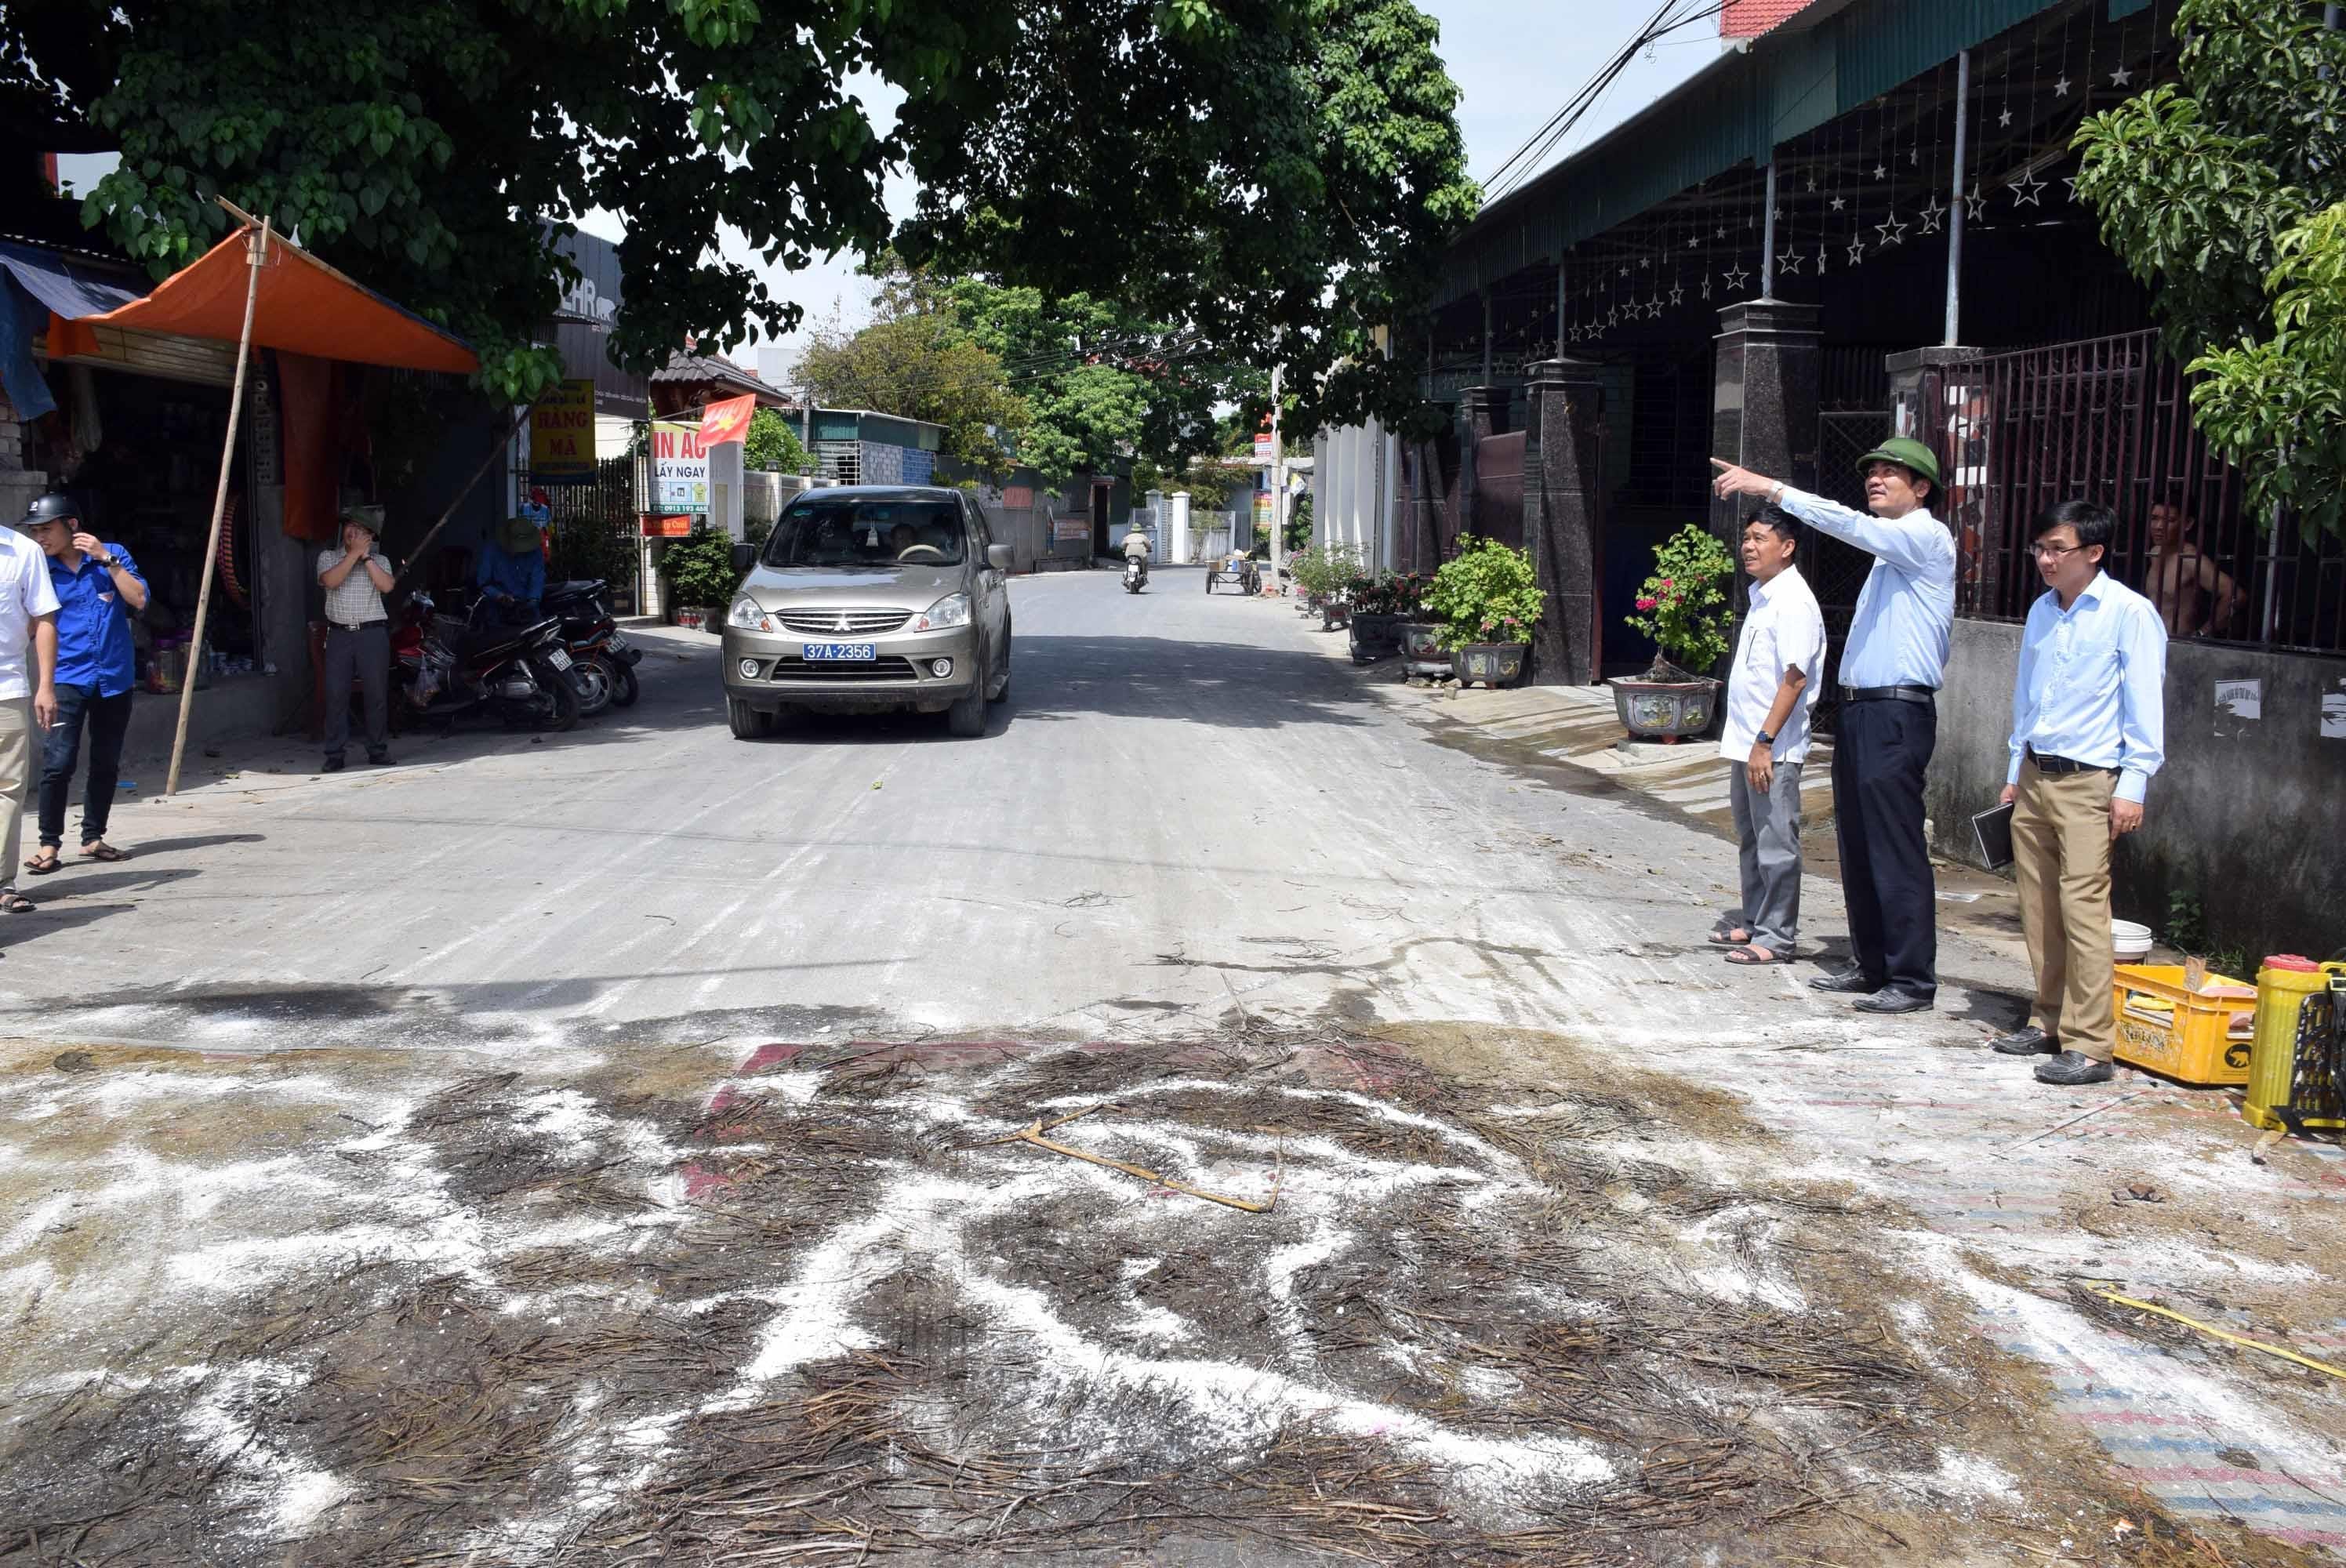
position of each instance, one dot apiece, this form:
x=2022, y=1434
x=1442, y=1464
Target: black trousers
x=1879, y=752
x=361, y=654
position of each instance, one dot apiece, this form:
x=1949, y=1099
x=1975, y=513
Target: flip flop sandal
x=41, y=865
x=1748, y=957
x=17, y=903
x=106, y=852
x=1720, y=938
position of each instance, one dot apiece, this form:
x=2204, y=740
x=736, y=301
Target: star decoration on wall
x=1893, y=232
x=1789, y=263
x=1734, y=280
x=1644, y=263
x=2061, y=87
x=2027, y=189
x=1913, y=158
x=1677, y=295
x=1653, y=309
x=1856, y=251
x=1722, y=232
x=1812, y=184
x=1694, y=241
x=1821, y=258
x=1932, y=211
x=2121, y=76
x=1576, y=334
x=2071, y=181
x=1613, y=317
x=1624, y=269
x=1881, y=171
x=1838, y=202
x=1976, y=202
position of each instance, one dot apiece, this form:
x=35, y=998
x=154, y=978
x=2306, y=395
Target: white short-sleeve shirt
x=1784, y=628
x=26, y=595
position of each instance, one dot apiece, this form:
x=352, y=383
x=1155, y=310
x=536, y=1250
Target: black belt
x=1925, y=695
x=362, y=626
x=2064, y=764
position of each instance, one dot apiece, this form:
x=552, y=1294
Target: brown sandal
x=106, y=852
x=45, y=860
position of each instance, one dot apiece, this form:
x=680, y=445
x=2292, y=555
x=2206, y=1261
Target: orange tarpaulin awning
x=304, y=307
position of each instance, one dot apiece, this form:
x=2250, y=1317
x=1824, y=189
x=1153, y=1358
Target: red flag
x=726, y=421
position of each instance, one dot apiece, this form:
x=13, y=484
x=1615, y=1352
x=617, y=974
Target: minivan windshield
x=866, y=532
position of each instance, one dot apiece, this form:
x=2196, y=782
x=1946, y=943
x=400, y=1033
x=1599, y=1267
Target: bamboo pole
x=257, y=251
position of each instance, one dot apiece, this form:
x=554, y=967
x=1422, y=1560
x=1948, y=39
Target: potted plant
x=700, y=577
x=1488, y=599
x=1684, y=608
x=1380, y=605
x=1321, y=572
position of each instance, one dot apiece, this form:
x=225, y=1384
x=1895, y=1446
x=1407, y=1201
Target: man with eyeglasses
x=1891, y=670
x=2088, y=730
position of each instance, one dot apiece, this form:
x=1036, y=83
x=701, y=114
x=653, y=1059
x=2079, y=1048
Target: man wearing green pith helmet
x=1891, y=670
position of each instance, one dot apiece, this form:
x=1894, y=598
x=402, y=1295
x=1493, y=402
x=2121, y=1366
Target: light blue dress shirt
x=1906, y=611
x=2092, y=683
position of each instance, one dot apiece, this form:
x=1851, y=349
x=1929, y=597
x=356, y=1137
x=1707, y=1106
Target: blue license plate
x=841, y=653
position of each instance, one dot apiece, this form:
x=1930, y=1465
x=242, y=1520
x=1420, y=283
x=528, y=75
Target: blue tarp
x=33, y=282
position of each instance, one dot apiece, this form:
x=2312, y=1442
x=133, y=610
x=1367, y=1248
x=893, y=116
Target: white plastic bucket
x=2129, y=942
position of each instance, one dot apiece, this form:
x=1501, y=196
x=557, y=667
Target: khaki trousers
x=17, y=772
x=2061, y=860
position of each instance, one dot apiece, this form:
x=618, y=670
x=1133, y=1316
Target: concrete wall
x=1352, y=472
x=2249, y=814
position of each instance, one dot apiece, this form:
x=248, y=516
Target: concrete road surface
x=640, y=1145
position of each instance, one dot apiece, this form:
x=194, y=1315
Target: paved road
x=1184, y=809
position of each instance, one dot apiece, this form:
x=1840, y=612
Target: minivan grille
x=879, y=669
x=842, y=623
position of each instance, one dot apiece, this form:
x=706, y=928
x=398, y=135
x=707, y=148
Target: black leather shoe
x=2025, y=1040
x=378, y=758
x=333, y=763
x=1890, y=999
x=1847, y=980
x=2074, y=1067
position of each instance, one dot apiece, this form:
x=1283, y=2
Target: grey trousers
x=1767, y=844
x=363, y=654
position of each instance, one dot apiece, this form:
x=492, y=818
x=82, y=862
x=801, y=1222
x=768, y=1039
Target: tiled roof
x=1750, y=18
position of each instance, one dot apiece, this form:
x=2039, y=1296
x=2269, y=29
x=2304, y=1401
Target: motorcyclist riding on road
x=1136, y=547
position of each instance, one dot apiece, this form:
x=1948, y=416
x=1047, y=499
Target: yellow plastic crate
x=2199, y=1037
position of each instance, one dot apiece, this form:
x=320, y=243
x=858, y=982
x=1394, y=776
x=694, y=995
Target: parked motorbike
x=446, y=666
x=594, y=638
x=1136, y=573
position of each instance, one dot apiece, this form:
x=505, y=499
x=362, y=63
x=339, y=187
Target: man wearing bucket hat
x=358, y=634
x=512, y=573
x=1891, y=670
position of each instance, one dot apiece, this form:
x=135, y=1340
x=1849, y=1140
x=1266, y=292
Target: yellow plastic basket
x=2197, y=1037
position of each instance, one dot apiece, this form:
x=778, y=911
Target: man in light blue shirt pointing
x=1891, y=670
x=2088, y=730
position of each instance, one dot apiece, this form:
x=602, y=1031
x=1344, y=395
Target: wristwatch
x=1763, y=739
x=109, y=561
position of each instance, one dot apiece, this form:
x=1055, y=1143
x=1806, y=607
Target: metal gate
x=1836, y=571
x=598, y=529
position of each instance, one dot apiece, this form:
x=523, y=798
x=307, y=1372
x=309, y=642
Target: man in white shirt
x=28, y=695
x=358, y=634
x=1771, y=689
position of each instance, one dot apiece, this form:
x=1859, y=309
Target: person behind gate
x=2088, y=730
x=358, y=634
x=98, y=588
x=1891, y=670
x=1771, y=689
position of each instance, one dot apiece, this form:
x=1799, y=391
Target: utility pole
x=1277, y=481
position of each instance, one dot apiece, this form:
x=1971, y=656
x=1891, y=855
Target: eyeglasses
x=2053, y=552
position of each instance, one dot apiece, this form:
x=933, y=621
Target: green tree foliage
x=700, y=568
x=1290, y=150
x=1289, y=175
x=2222, y=193
x=773, y=444
x=916, y=359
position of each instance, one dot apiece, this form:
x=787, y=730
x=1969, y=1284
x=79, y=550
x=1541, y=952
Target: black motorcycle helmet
x=51, y=508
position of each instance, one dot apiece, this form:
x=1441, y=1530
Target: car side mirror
x=745, y=555
x=998, y=556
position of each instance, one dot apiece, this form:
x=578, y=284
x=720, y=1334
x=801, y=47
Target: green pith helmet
x=1908, y=453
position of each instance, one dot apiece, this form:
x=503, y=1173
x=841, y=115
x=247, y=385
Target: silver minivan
x=867, y=598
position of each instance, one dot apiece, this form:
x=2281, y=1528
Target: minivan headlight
x=953, y=610
x=746, y=616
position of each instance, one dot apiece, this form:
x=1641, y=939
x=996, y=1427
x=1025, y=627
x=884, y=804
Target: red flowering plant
x=1387, y=594
x=1684, y=607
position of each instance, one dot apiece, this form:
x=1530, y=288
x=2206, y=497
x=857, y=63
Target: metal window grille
x=2109, y=419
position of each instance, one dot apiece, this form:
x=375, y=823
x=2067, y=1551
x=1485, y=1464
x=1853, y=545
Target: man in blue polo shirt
x=98, y=590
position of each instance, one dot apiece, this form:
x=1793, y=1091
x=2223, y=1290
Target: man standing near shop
x=358, y=634
x=28, y=670
x=1891, y=669
x=1771, y=689
x=2088, y=730
x=97, y=589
